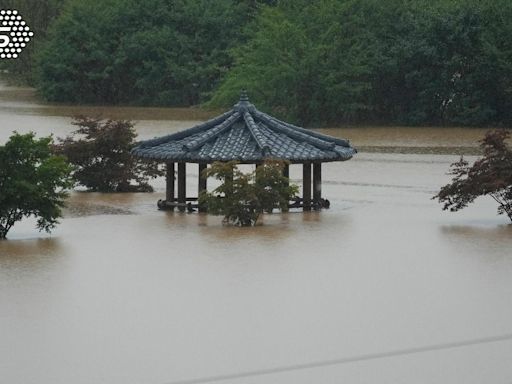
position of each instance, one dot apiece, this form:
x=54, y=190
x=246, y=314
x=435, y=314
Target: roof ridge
x=243, y=95
x=256, y=133
x=211, y=133
x=275, y=125
x=341, y=142
x=187, y=132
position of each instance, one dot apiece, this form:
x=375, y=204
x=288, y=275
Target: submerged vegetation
x=100, y=154
x=242, y=197
x=489, y=176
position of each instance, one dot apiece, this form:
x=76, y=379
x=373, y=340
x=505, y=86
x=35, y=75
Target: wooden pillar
x=229, y=180
x=317, y=182
x=182, y=186
x=286, y=172
x=201, y=184
x=169, y=183
x=306, y=186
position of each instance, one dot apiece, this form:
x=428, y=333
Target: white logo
x=14, y=34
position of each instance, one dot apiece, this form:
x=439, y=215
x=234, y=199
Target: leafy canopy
x=414, y=62
x=394, y=61
x=153, y=52
x=100, y=153
x=241, y=198
x=33, y=182
x=491, y=175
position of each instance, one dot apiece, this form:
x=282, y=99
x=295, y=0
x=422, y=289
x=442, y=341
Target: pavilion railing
x=192, y=204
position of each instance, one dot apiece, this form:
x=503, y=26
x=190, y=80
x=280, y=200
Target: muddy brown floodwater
x=383, y=287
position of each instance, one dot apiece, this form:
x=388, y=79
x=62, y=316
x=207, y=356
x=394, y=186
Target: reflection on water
x=31, y=249
x=91, y=204
x=81, y=209
x=494, y=234
x=124, y=293
x=489, y=241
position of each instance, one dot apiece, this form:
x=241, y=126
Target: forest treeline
x=413, y=62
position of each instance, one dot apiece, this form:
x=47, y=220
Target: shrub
x=241, y=198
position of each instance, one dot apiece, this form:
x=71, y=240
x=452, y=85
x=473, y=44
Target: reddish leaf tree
x=491, y=175
x=100, y=153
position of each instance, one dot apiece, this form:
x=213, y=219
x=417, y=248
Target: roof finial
x=243, y=95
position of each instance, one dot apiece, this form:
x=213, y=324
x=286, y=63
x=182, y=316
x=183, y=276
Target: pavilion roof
x=246, y=135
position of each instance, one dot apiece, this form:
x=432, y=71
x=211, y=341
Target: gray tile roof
x=248, y=136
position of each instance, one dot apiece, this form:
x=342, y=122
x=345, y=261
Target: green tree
x=242, y=198
x=100, y=153
x=489, y=176
x=310, y=62
x=33, y=182
x=273, y=190
x=154, y=52
x=403, y=62
x=438, y=70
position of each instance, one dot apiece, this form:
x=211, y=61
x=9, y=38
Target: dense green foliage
x=100, y=153
x=489, y=176
x=154, y=52
x=394, y=61
x=241, y=197
x=414, y=62
x=32, y=182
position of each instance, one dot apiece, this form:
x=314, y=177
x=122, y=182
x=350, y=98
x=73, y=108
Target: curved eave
x=246, y=135
x=340, y=154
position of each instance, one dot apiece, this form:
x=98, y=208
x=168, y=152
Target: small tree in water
x=33, y=182
x=491, y=175
x=102, y=159
x=241, y=198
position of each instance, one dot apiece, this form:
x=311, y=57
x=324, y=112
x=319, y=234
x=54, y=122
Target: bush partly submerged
x=242, y=197
x=99, y=150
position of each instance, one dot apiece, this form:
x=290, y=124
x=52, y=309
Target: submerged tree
x=491, y=175
x=241, y=198
x=33, y=182
x=102, y=159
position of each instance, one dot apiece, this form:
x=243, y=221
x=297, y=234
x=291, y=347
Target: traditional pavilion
x=247, y=136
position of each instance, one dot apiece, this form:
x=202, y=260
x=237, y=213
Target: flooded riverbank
x=124, y=293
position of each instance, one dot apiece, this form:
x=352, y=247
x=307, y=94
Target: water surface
x=124, y=293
